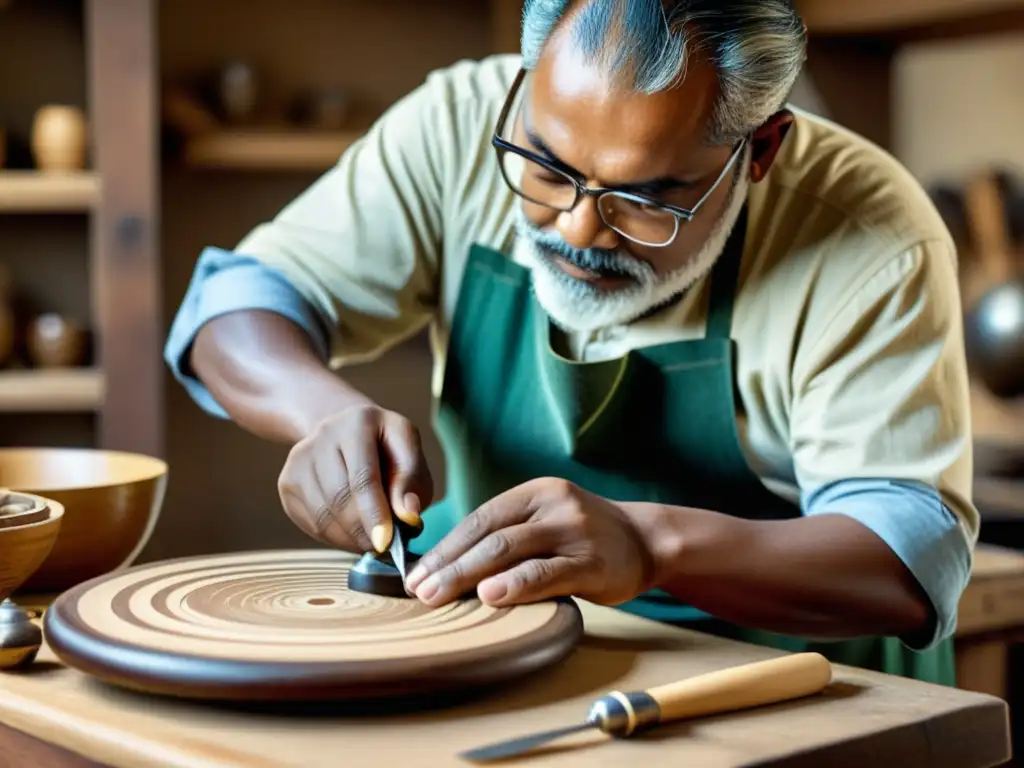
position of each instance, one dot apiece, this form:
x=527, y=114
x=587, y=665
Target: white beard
x=576, y=306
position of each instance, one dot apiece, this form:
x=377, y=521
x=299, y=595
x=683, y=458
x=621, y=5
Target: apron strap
x=724, y=278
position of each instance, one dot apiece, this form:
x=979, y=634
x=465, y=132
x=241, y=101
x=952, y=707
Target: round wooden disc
x=283, y=625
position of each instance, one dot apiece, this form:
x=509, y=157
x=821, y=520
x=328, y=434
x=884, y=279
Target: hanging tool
x=624, y=714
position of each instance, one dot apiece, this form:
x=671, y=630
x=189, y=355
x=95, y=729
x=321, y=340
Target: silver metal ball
x=995, y=339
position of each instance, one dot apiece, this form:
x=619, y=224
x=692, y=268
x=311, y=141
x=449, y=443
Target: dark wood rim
x=183, y=675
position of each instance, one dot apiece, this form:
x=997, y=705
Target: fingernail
x=380, y=536
x=492, y=590
x=416, y=575
x=412, y=503
x=409, y=510
x=428, y=588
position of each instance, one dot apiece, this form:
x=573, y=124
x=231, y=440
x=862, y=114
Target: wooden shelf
x=269, y=149
x=866, y=17
x=38, y=192
x=56, y=390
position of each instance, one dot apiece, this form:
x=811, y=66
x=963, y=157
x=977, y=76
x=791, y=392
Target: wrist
x=685, y=545
x=312, y=396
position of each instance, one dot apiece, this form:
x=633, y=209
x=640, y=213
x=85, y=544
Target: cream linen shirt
x=847, y=321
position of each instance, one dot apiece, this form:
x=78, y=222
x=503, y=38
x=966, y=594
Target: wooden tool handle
x=750, y=685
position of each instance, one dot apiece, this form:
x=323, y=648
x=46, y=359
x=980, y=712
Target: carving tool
x=624, y=714
x=399, y=549
x=385, y=573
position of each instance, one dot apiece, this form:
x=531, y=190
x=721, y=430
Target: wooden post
x=123, y=84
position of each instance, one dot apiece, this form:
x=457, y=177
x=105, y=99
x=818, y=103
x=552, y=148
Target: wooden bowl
x=112, y=501
x=24, y=547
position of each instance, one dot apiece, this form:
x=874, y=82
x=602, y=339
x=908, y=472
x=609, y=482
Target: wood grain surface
x=863, y=719
x=283, y=625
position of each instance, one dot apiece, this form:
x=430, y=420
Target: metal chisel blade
x=398, y=549
x=514, y=747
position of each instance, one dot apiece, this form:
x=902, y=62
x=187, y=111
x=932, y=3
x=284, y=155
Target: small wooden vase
x=59, y=138
x=56, y=342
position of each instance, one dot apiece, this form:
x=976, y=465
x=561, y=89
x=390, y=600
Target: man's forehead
x=575, y=99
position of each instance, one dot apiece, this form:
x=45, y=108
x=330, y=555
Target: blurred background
x=134, y=132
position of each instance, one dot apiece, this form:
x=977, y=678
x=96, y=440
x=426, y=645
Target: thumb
x=410, y=485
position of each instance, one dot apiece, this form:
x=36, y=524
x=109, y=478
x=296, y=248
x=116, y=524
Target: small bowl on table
x=29, y=527
x=111, y=502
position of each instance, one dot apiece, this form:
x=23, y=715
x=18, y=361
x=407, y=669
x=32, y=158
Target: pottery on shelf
x=56, y=342
x=238, y=92
x=59, y=138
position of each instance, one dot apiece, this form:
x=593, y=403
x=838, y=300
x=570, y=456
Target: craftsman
x=698, y=353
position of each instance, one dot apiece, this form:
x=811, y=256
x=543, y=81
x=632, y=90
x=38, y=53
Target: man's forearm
x=825, y=576
x=264, y=372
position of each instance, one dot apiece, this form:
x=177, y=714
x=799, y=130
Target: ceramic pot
x=59, y=137
x=56, y=342
x=238, y=92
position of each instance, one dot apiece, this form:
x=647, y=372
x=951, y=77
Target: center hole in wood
x=321, y=601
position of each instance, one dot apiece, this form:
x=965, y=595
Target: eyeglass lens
x=631, y=217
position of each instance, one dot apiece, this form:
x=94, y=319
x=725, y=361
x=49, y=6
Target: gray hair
x=757, y=47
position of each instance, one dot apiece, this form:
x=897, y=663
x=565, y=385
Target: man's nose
x=583, y=227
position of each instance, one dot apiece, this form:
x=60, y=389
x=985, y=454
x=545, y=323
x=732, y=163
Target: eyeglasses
x=550, y=184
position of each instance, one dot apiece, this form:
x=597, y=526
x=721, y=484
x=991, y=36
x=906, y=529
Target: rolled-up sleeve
x=921, y=530
x=224, y=282
x=881, y=421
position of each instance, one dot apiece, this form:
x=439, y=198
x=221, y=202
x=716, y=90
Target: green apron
x=511, y=409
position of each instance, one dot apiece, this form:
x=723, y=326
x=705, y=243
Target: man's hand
x=546, y=538
x=341, y=482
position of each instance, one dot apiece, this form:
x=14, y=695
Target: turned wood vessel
x=112, y=501
x=284, y=625
x=59, y=138
x=26, y=538
x=56, y=342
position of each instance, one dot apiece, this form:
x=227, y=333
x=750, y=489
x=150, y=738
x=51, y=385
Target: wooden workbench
x=990, y=621
x=55, y=717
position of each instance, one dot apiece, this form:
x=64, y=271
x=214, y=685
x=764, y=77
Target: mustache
x=607, y=263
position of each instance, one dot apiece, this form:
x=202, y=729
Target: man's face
x=585, y=273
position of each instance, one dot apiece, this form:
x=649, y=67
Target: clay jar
x=55, y=342
x=59, y=136
x=238, y=92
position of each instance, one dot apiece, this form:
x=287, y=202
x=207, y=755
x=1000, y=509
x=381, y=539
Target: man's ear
x=766, y=142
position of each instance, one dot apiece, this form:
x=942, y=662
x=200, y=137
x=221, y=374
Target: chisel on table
x=623, y=714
